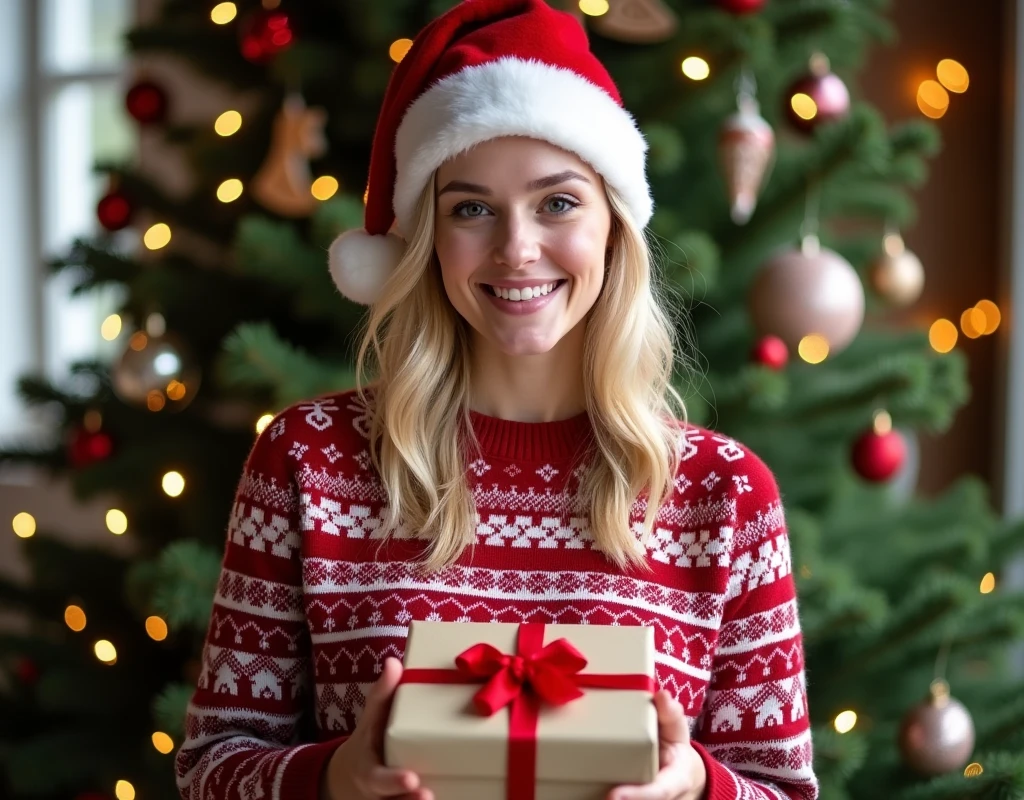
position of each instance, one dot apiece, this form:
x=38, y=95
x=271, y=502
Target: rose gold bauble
x=637, y=22
x=806, y=291
x=746, y=146
x=897, y=275
x=937, y=736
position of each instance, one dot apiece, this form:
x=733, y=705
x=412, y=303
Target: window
x=62, y=94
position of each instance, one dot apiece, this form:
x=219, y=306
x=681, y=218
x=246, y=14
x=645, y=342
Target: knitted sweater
x=310, y=600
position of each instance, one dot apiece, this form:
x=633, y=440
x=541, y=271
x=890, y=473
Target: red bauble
x=263, y=35
x=146, y=101
x=27, y=671
x=878, y=456
x=87, y=447
x=114, y=211
x=771, y=352
x=741, y=6
x=831, y=101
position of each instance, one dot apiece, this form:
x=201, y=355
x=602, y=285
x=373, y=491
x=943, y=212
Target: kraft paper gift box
x=442, y=729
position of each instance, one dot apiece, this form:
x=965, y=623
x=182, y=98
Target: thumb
x=672, y=727
x=378, y=699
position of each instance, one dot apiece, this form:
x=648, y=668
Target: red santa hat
x=486, y=69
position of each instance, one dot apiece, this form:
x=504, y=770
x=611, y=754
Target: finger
x=379, y=697
x=670, y=782
x=672, y=726
x=390, y=781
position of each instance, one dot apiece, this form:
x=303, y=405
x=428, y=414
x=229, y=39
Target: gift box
x=495, y=711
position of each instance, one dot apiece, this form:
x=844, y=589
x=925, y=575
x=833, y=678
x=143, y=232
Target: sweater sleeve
x=242, y=723
x=753, y=733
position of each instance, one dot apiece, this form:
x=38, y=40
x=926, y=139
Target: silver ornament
x=937, y=735
x=156, y=372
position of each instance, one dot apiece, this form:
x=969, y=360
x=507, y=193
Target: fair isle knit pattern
x=313, y=597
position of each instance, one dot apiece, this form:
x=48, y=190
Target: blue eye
x=457, y=211
x=568, y=202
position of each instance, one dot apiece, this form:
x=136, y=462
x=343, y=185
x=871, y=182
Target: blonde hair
x=421, y=346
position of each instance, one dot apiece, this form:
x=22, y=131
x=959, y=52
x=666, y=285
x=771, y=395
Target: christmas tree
x=771, y=186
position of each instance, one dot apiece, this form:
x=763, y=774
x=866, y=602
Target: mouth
x=494, y=292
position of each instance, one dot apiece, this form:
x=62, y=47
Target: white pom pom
x=361, y=263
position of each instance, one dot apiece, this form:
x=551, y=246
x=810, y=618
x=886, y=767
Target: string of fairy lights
x=981, y=319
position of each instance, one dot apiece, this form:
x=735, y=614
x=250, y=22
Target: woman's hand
x=681, y=775
x=356, y=770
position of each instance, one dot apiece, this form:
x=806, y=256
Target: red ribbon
x=535, y=674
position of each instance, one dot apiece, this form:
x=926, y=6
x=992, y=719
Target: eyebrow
x=532, y=186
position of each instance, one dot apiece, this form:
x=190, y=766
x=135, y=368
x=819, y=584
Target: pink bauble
x=830, y=96
x=771, y=352
x=797, y=294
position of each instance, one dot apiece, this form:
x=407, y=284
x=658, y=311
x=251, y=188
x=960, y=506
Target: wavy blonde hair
x=421, y=349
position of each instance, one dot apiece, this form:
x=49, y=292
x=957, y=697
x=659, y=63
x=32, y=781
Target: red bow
x=549, y=672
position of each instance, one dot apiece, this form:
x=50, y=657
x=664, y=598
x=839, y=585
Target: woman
x=499, y=467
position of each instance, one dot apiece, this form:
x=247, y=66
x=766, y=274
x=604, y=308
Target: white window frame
x=42, y=328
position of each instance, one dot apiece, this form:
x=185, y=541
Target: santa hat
x=485, y=69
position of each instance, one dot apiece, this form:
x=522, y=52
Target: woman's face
x=518, y=212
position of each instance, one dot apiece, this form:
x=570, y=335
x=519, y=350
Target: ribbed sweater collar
x=532, y=441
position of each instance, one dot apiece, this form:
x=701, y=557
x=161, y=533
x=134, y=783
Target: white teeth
x=523, y=294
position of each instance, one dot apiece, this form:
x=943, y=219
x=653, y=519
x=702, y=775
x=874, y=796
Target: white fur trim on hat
x=513, y=97
x=360, y=263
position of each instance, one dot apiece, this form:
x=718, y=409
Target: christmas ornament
x=283, y=182
x=636, y=21
x=880, y=452
x=818, y=98
x=811, y=290
x=85, y=447
x=114, y=210
x=156, y=372
x=771, y=352
x=897, y=275
x=263, y=34
x=741, y=6
x=147, y=102
x=27, y=671
x=746, y=146
x=937, y=735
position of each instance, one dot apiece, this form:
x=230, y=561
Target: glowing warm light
x=696, y=68
x=74, y=616
x=942, y=335
x=399, y=48
x=992, y=315
x=155, y=400
x=594, y=8
x=176, y=390
x=845, y=721
x=324, y=187
x=223, y=13
x=138, y=341
x=263, y=422
x=163, y=742
x=366, y=195
x=157, y=236
x=24, y=525
x=156, y=628
x=932, y=99
x=803, y=106
x=882, y=423
x=972, y=322
x=228, y=123
x=173, y=483
x=953, y=75
x=813, y=348
x=111, y=327
x=117, y=521
x=105, y=651
x=230, y=190
x=124, y=791
x=973, y=770
x=988, y=583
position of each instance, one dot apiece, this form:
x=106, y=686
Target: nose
x=517, y=241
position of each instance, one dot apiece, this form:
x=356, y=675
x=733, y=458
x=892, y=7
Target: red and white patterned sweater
x=309, y=602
